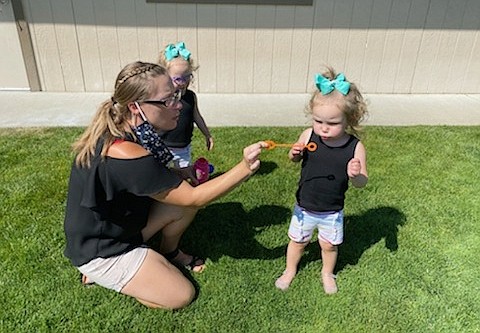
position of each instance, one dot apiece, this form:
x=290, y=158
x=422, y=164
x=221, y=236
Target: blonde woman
x=122, y=191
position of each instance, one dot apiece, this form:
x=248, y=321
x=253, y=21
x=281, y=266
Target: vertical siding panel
x=226, y=46
x=453, y=19
x=31, y=27
x=461, y=54
x=424, y=70
x=67, y=44
x=320, y=38
x=264, y=21
x=126, y=22
x=166, y=24
x=393, y=45
x=471, y=77
x=88, y=45
x=46, y=46
x=207, y=42
x=147, y=31
x=302, y=34
x=411, y=43
x=375, y=44
x=244, y=57
x=187, y=26
x=357, y=41
x=338, y=43
x=282, y=47
x=107, y=42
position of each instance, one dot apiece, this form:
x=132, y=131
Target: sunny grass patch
x=409, y=262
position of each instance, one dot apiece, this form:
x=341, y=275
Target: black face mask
x=150, y=140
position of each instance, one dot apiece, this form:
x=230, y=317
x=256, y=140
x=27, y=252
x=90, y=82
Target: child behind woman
x=336, y=107
x=180, y=66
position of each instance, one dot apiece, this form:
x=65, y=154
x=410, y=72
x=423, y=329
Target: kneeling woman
x=122, y=192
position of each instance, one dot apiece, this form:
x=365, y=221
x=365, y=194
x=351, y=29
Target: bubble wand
x=311, y=146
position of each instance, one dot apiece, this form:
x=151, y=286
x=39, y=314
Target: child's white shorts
x=182, y=157
x=304, y=222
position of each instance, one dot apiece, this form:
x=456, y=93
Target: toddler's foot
x=283, y=282
x=329, y=283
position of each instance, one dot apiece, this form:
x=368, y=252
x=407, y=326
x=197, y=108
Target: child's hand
x=296, y=152
x=209, y=143
x=353, y=168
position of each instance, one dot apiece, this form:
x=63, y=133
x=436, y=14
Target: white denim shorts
x=114, y=272
x=182, y=157
x=304, y=222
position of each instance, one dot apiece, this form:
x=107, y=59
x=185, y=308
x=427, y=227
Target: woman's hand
x=251, y=154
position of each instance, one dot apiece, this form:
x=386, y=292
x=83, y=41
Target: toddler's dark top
x=181, y=136
x=108, y=205
x=324, y=180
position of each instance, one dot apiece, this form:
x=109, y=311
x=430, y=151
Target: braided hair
x=134, y=82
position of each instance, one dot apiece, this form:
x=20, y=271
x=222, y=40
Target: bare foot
x=283, y=282
x=329, y=283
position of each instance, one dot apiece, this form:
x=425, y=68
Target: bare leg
x=159, y=284
x=172, y=221
x=294, y=254
x=329, y=260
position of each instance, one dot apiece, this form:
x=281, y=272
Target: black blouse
x=108, y=205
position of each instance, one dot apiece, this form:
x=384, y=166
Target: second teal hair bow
x=173, y=51
x=326, y=86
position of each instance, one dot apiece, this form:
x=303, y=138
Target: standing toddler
x=336, y=108
x=176, y=58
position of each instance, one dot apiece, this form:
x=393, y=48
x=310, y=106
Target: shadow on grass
x=361, y=233
x=226, y=229
x=266, y=167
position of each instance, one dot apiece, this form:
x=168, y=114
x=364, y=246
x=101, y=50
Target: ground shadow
x=226, y=229
x=266, y=167
x=361, y=232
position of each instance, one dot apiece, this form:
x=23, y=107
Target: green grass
x=410, y=261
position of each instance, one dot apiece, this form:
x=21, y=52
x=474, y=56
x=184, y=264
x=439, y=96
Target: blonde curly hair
x=353, y=105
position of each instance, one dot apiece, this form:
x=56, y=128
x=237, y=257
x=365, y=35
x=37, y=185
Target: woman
x=122, y=192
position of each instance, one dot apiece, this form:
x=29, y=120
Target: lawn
x=410, y=261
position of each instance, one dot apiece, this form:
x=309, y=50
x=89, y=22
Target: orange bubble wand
x=311, y=146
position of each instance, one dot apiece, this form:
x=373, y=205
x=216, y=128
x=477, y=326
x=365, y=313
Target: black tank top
x=181, y=136
x=324, y=180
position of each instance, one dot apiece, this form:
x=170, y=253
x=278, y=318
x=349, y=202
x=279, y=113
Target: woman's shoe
x=196, y=264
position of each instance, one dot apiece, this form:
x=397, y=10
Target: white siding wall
x=386, y=46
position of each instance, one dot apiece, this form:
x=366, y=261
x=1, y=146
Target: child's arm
x=357, y=167
x=202, y=126
x=296, y=152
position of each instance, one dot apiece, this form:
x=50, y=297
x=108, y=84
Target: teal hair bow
x=173, y=51
x=326, y=86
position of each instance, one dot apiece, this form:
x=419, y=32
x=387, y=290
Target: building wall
x=386, y=46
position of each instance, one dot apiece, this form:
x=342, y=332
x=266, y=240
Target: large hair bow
x=326, y=86
x=173, y=51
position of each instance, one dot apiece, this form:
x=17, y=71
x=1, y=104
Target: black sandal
x=195, y=262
